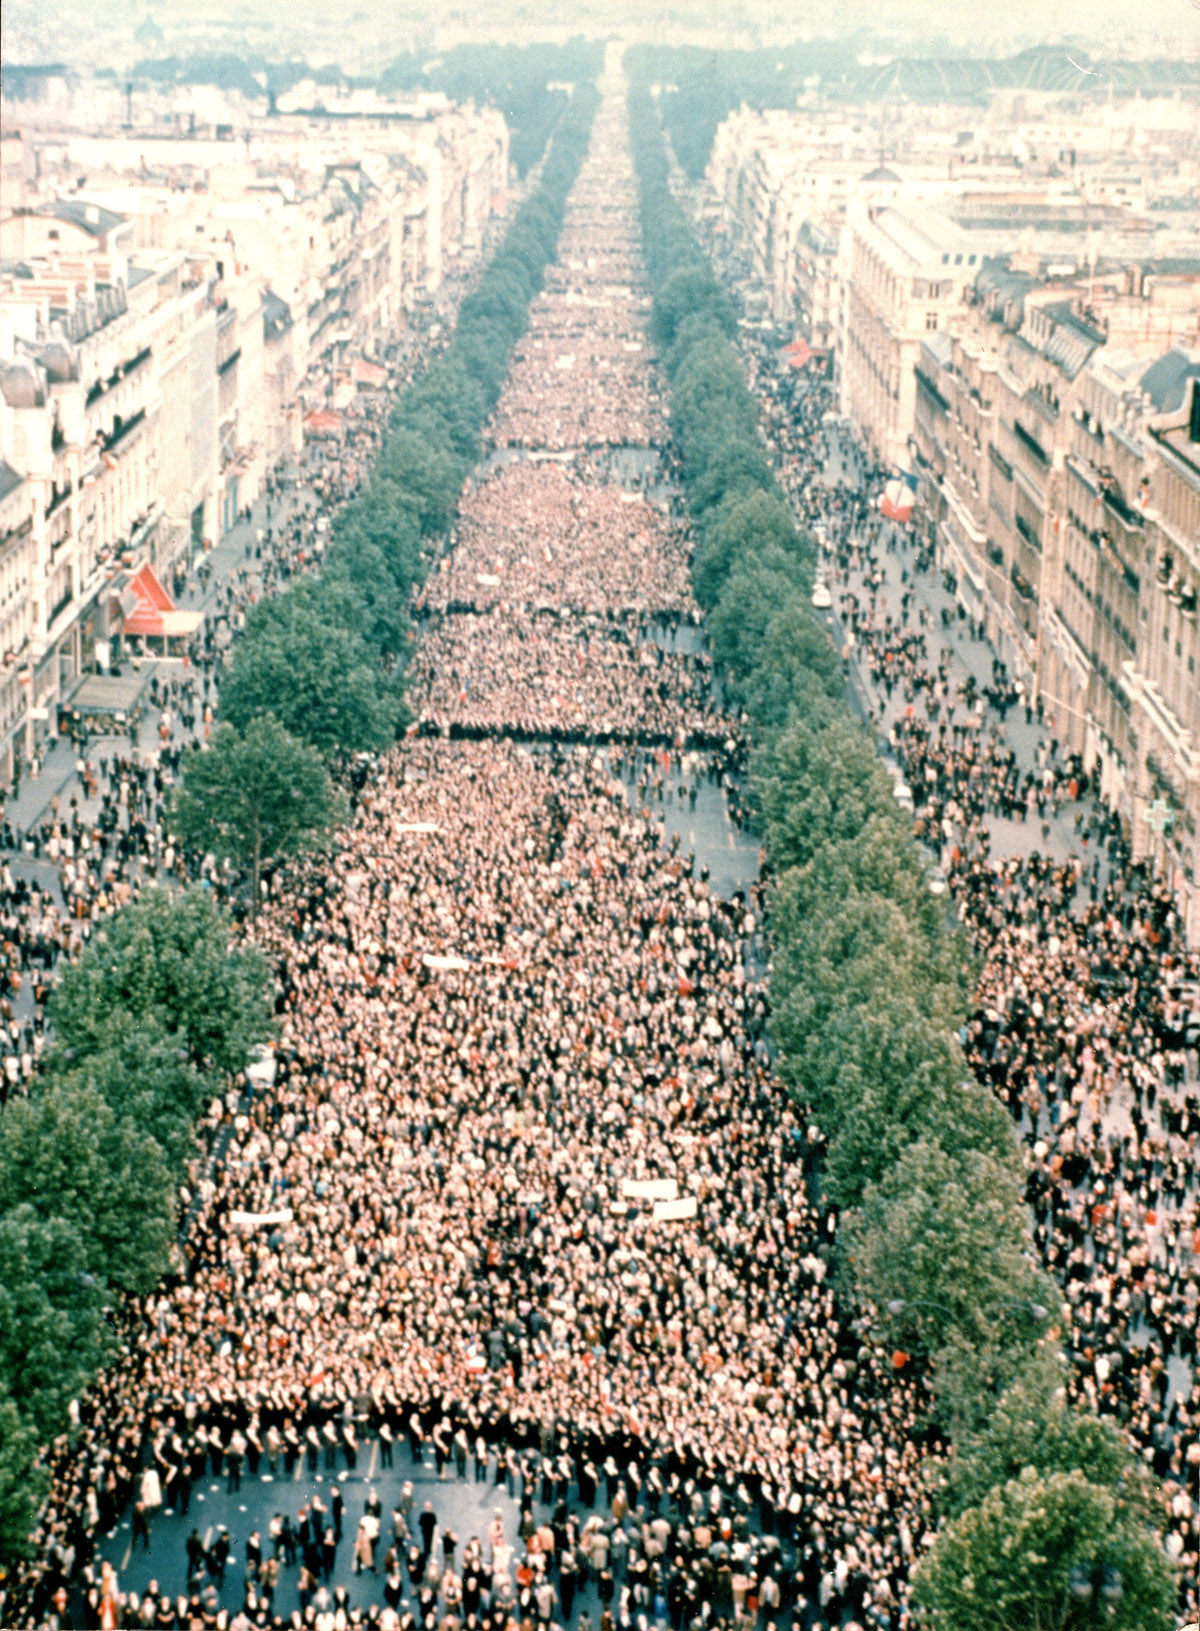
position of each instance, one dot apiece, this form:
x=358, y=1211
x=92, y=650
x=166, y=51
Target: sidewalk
x=57, y=778
x=968, y=656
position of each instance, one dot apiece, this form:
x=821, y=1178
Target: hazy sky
x=34, y=31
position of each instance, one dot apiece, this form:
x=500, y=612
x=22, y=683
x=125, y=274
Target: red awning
x=153, y=610
x=798, y=353
x=323, y=422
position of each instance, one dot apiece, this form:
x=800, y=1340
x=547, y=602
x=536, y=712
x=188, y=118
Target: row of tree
x=869, y=987
x=530, y=84
x=317, y=676
x=698, y=87
x=157, y=1017
x=149, y=1025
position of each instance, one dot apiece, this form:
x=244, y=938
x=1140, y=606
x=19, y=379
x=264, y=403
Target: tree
x=1007, y=1562
x=254, y=797
x=357, y=590
x=418, y=459
x=948, y=1236
x=902, y=1079
x=752, y=521
x=23, y=1485
x=689, y=290
x=796, y=662
x=1033, y=1425
x=163, y=967
x=51, y=1334
x=764, y=580
x=146, y=1077
x=65, y=1155
x=320, y=681
x=735, y=467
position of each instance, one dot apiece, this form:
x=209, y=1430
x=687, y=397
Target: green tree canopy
x=163, y=967
x=254, y=797
x=67, y=1156
x=319, y=680
x=947, y=1235
x=1008, y=1561
x=51, y=1333
x=23, y=1485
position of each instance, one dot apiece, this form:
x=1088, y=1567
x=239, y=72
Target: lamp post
x=1094, y=1589
x=1035, y=1311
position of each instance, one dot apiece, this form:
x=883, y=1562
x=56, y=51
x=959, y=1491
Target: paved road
x=465, y=1507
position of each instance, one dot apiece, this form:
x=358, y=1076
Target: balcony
x=1132, y=520
x=101, y=387
x=122, y=430
x=1031, y=445
x=1028, y=532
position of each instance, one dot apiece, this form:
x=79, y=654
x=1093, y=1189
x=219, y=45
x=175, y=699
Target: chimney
x=1194, y=423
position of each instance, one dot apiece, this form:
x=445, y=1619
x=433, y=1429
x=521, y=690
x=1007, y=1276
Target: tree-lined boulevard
x=740, y=1288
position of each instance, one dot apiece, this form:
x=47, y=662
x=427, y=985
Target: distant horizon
x=898, y=28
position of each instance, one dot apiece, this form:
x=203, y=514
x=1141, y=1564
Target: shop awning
x=151, y=611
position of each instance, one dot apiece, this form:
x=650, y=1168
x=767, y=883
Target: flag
x=896, y=501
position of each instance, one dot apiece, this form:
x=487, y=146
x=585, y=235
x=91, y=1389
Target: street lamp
x=1096, y=1587
x=1036, y=1311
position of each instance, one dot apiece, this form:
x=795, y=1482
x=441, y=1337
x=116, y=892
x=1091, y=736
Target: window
x=931, y=319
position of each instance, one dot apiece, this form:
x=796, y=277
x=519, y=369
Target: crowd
x=564, y=676
x=524, y=1190
x=1081, y=1024
x=514, y=1026
x=551, y=536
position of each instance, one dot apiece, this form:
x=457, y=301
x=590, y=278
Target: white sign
x=672, y=1211
x=649, y=1189
x=258, y=1220
x=432, y=961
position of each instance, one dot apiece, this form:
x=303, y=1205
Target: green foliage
x=700, y=87
x=51, y=1332
x=514, y=78
x=1008, y=1561
x=23, y=1485
x=145, y=1077
x=1033, y=1425
x=357, y=590
x=255, y=797
x=946, y=1234
x=162, y=969
x=318, y=678
x=749, y=600
x=67, y=1156
x=750, y=520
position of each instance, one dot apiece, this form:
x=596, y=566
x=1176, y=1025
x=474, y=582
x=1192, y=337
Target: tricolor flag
x=896, y=501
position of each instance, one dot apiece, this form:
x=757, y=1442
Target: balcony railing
x=122, y=432
x=1031, y=444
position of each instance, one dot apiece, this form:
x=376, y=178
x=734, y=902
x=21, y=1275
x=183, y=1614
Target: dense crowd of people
x=513, y=1027
x=1087, y=1014
x=524, y=1193
x=548, y=536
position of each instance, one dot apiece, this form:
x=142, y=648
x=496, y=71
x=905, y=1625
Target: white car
x=821, y=598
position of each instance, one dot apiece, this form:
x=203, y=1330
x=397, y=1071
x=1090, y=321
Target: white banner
x=673, y=1211
x=649, y=1189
